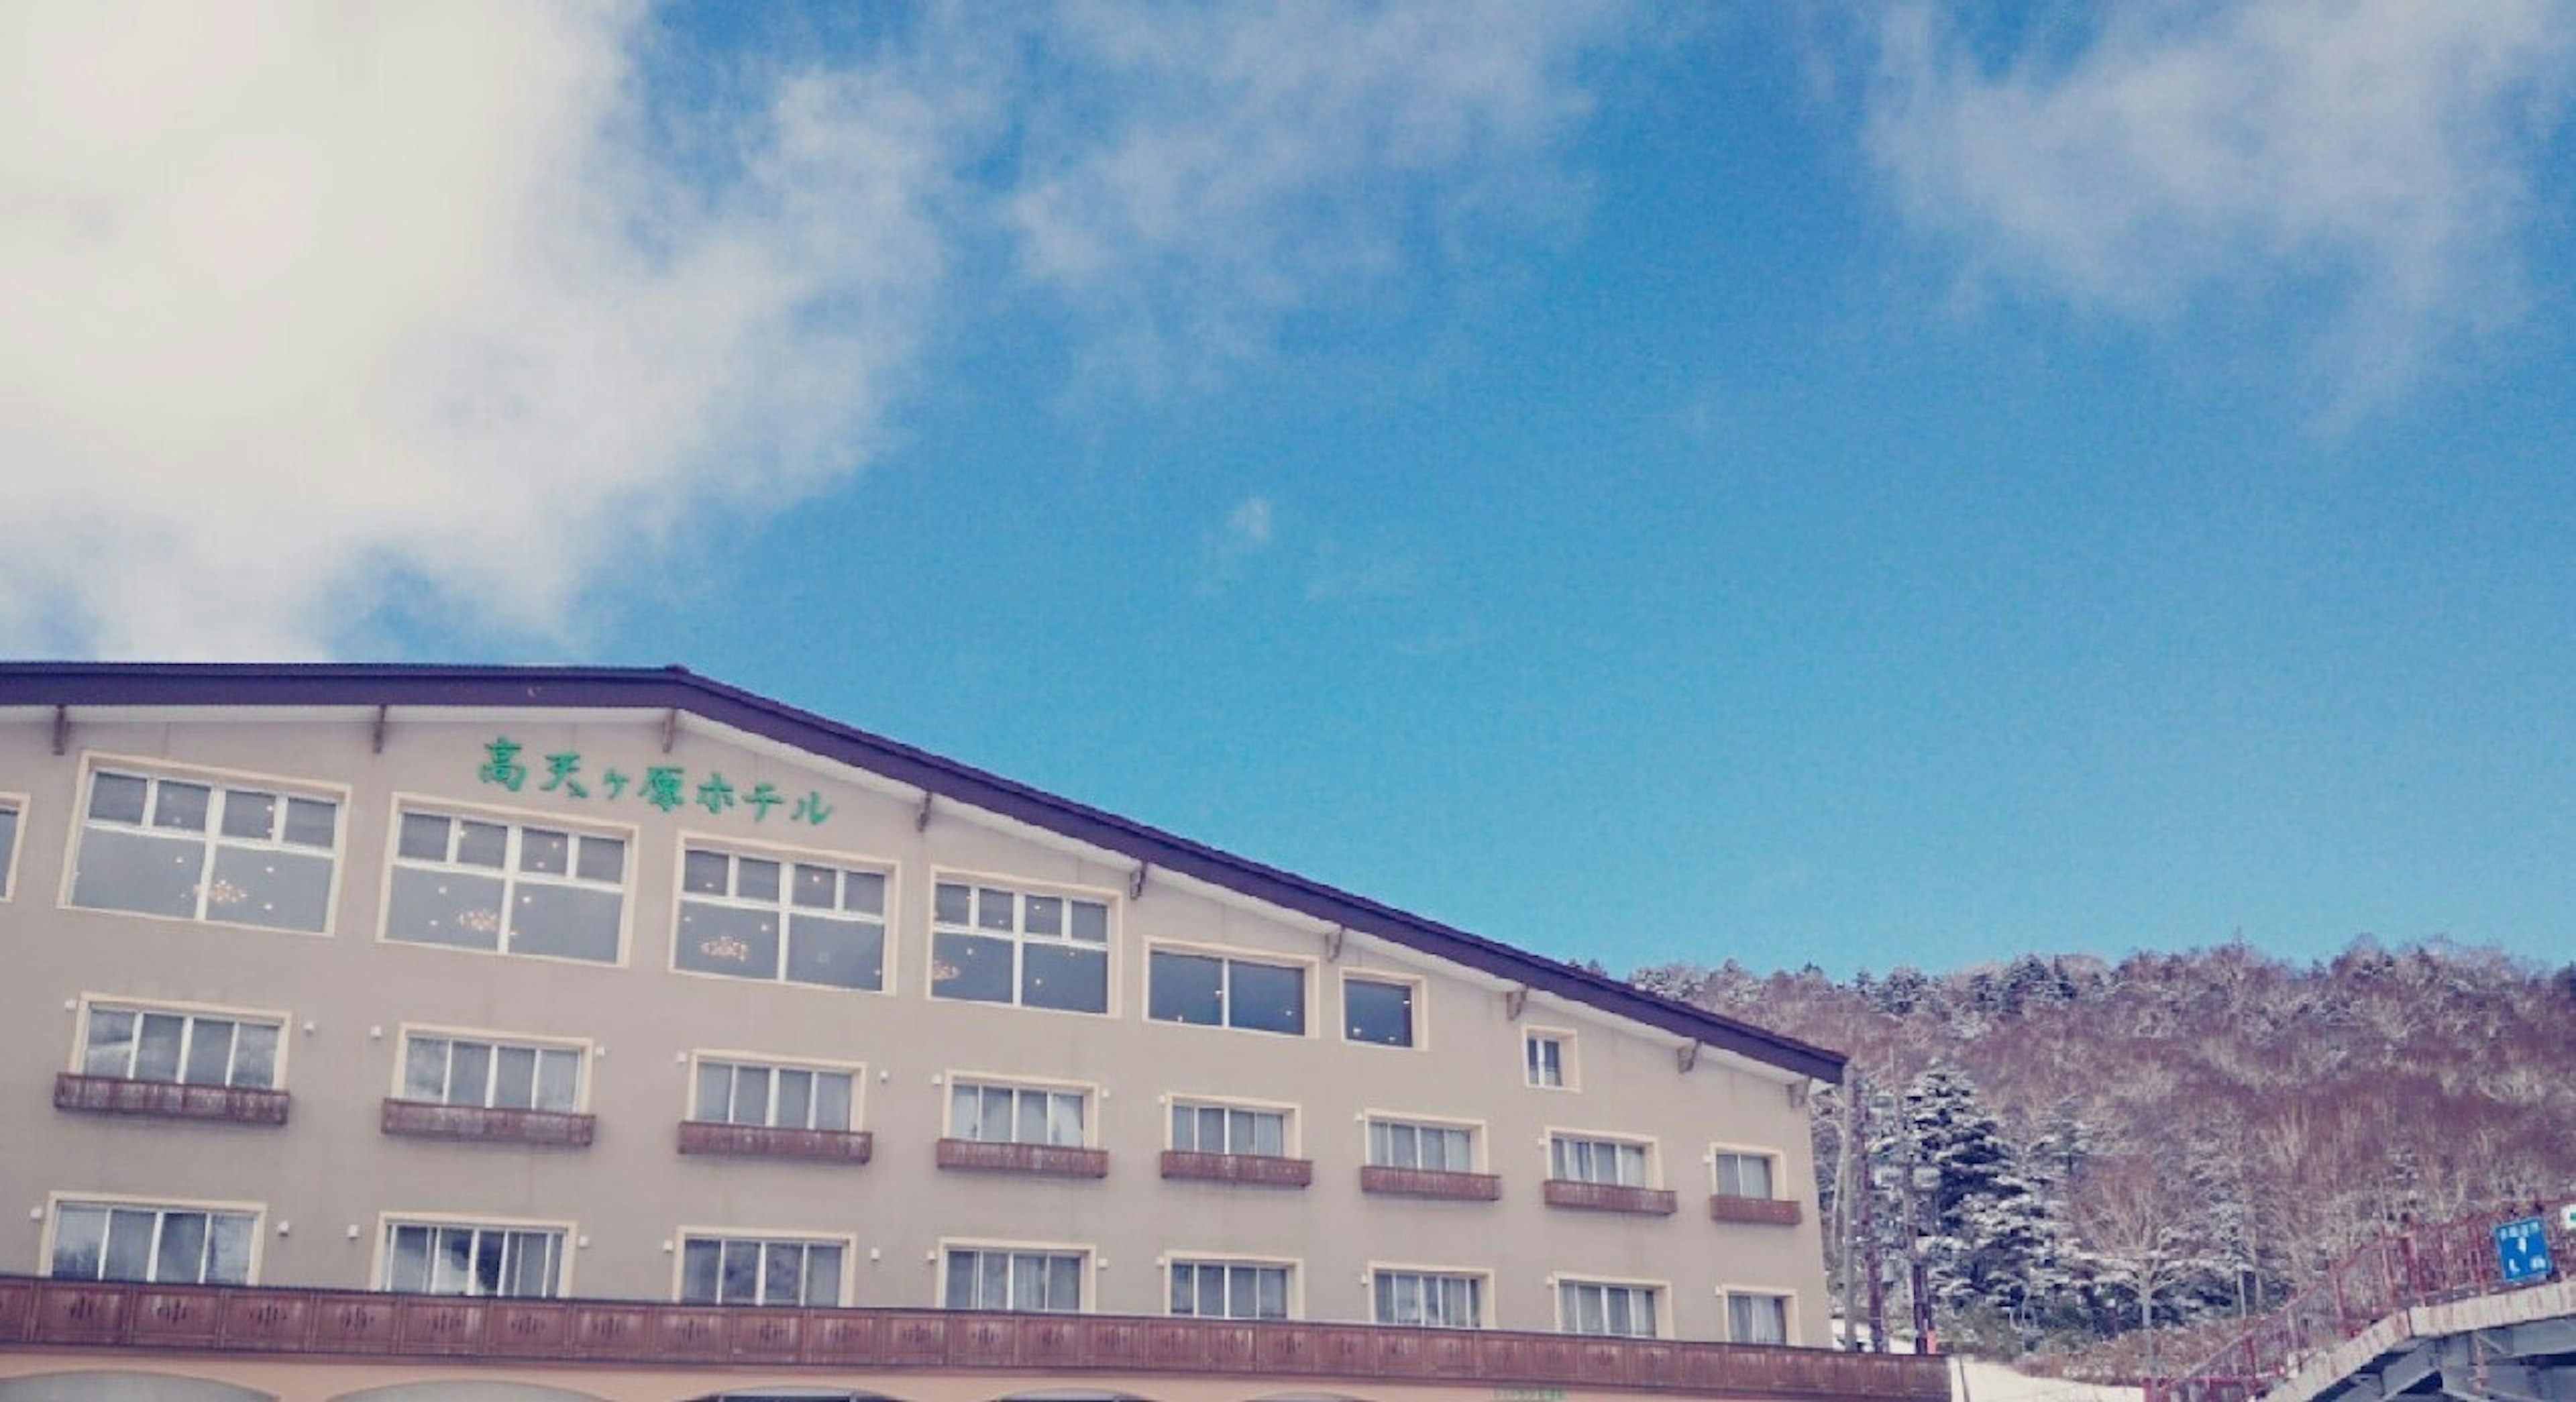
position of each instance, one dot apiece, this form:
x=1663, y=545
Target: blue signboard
x=2522, y=1249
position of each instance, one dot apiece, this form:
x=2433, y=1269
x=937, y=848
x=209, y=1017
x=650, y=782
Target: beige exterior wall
x=327, y=1179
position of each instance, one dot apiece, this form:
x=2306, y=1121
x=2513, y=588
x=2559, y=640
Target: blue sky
x=1871, y=486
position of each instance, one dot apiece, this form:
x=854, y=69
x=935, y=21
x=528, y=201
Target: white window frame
x=1419, y=1003
x=1086, y=1096
x=495, y=1043
x=765, y=1239
x=1718, y=1154
x=1291, y=1302
x=565, y=1237
x=1729, y=1294
x=55, y=1202
x=15, y=804
x=1174, y=1104
x=1658, y=1295
x=1562, y=1040
x=515, y=824
x=1020, y=890
x=784, y=907
x=1483, y=1280
x=92, y=1004
x=1082, y=1254
x=1227, y=959
x=773, y=1065
x=1569, y=1150
x=155, y=772
x=1392, y=1121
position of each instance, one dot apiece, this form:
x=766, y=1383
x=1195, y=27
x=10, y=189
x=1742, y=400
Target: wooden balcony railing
x=1431, y=1183
x=547, y=1129
x=1608, y=1197
x=1255, y=1170
x=344, y=1325
x=773, y=1142
x=1043, y=1160
x=115, y=1095
x=1769, y=1212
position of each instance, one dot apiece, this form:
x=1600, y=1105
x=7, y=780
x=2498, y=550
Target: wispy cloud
x=2170, y=160
x=1247, y=527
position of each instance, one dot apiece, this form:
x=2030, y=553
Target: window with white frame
x=993, y=1113
x=729, y=1270
x=1617, y=1162
x=1212, y=990
x=766, y=918
x=451, y=1258
x=506, y=887
x=1378, y=1011
x=150, y=1243
x=1414, y=1144
x=992, y=944
x=206, y=849
x=1627, y=1311
x=8, y=846
x=1431, y=1299
x=142, y=1043
x=444, y=1070
x=1742, y=1174
x=1544, y=1056
x=735, y=1092
x=1753, y=1318
x=1229, y=1290
x=1209, y=1127
x=999, y=1278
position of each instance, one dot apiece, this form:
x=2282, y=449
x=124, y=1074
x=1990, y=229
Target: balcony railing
x=1431, y=1183
x=774, y=1142
x=1608, y=1197
x=1768, y=1212
x=347, y=1324
x=1255, y=1170
x=1043, y=1160
x=116, y=1095
x=546, y=1129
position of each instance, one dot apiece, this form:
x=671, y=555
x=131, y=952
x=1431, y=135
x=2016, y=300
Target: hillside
x=2202, y=1130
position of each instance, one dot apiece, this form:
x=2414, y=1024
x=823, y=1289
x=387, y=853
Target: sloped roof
x=79, y=684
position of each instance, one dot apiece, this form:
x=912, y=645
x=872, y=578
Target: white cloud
x=2178, y=158
x=1248, y=525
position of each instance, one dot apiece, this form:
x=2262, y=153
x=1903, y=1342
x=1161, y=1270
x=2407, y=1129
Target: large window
x=206, y=850
x=1617, y=1162
x=1212, y=990
x=197, y=1049
x=441, y=1258
x=1379, y=1011
x=444, y=1070
x=990, y=944
x=143, y=1242
x=782, y=1097
x=1200, y=1127
x=1000, y=1279
x=1410, y=1144
x=8, y=846
x=756, y=1271
x=1625, y=1310
x=799, y=922
x=1743, y=1175
x=511, y=888
x=1229, y=1290
x=1004, y=1114
x=1436, y=1299
x=1756, y=1318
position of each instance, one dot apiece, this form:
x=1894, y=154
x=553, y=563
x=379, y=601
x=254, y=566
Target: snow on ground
x=1975, y=1380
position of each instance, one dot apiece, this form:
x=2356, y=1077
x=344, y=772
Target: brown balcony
x=1768, y=1212
x=352, y=1328
x=1608, y=1197
x=771, y=1142
x=1431, y=1183
x=1044, y=1160
x=115, y=1095
x=1252, y=1170
x=547, y=1129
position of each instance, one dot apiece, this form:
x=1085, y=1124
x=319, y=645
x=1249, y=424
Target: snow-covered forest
x=2058, y=1149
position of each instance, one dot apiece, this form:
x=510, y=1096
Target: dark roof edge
x=403, y=684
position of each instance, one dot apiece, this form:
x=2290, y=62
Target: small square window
x=1378, y=1012
x=1546, y=1057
